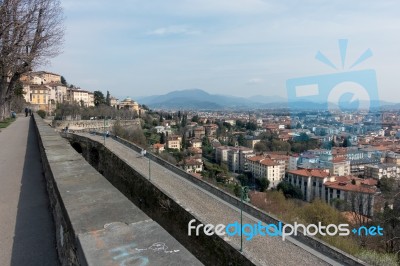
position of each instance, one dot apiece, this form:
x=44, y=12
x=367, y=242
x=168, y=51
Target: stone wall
x=92, y=124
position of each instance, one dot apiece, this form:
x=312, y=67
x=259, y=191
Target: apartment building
x=236, y=158
x=310, y=182
x=293, y=162
x=337, y=166
x=319, y=184
x=38, y=96
x=82, y=97
x=262, y=167
x=221, y=154
x=359, y=194
x=174, y=142
x=196, y=143
x=199, y=132
x=192, y=165
x=210, y=129
x=382, y=170
x=41, y=78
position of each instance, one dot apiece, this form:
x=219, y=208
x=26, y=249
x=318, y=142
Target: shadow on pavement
x=34, y=240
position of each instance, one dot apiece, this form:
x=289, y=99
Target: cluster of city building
x=43, y=90
x=335, y=173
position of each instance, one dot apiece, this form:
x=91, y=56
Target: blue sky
x=233, y=47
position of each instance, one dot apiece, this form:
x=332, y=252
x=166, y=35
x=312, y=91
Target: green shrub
x=41, y=113
x=378, y=259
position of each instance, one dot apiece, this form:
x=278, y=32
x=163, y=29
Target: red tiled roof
x=158, y=145
x=370, y=182
x=262, y=160
x=192, y=162
x=338, y=160
x=350, y=187
x=310, y=172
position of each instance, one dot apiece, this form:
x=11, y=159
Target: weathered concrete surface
x=196, y=201
x=27, y=232
x=84, y=203
x=137, y=244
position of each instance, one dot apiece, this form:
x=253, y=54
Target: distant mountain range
x=197, y=99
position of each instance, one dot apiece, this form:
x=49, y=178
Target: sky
x=231, y=47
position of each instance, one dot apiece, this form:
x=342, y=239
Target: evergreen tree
x=108, y=99
x=98, y=98
x=162, y=138
x=63, y=81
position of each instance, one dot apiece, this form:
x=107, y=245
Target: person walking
x=30, y=111
x=26, y=111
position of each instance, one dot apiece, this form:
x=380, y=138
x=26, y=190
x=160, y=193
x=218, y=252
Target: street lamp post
x=104, y=131
x=149, y=169
x=243, y=192
x=241, y=219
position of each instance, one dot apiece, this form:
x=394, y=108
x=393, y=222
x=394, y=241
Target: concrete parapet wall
x=92, y=124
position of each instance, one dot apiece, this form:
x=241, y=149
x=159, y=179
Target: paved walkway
x=264, y=250
x=27, y=234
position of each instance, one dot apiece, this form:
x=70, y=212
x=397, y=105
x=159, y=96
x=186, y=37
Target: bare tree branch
x=31, y=32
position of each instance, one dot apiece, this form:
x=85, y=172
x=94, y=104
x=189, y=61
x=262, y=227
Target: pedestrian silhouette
x=26, y=111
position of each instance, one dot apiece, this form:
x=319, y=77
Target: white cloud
x=174, y=30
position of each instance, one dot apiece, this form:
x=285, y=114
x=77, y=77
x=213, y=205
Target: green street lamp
x=244, y=190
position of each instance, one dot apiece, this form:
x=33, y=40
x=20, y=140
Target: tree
x=184, y=120
x=264, y=184
x=184, y=141
x=195, y=118
x=162, y=138
x=251, y=126
x=260, y=147
x=108, y=99
x=244, y=180
x=241, y=140
x=98, y=98
x=18, y=101
x=289, y=190
x=63, y=81
x=237, y=190
x=240, y=124
x=31, y=31
x=302, y=138
x=346, y=142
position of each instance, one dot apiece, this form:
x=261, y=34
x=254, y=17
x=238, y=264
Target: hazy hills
x=197, y=99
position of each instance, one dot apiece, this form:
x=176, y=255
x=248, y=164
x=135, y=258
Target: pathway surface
x=264, y=250
x=27, y=234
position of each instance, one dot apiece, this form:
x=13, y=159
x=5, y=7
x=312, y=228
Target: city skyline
x=239, y=48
